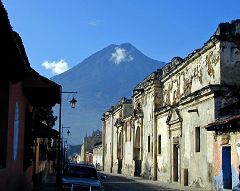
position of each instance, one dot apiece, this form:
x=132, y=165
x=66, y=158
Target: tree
x=45, y=114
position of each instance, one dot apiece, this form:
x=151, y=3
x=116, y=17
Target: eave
x=225, y=124
x=41, y=130
x=41, y=91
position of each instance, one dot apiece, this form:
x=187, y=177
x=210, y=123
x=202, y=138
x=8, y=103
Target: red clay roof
x=223, y=121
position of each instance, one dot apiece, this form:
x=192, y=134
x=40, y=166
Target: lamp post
x=73, y=104
x=63, y=146
x=64, y=150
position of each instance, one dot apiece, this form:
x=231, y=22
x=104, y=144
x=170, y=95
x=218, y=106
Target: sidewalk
x=173, y=186
x=49, y=185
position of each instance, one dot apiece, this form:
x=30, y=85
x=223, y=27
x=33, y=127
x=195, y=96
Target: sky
x=59, y=34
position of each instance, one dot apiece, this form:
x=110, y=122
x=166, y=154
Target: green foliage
x=45, y=114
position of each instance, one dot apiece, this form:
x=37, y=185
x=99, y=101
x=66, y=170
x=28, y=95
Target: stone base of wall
x=146, y=173
x=128, y=170
x=115, y=168
x=163, y=177
x=107, y=168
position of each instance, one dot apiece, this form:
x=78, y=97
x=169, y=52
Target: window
x=148, y=143
x=197, y=139
x=159, y=145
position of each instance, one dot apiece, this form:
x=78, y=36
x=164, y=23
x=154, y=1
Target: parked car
x=81, y=177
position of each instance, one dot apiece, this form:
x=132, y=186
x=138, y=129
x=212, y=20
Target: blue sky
x=61, y=33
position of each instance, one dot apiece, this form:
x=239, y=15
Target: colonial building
x=194, y=90
x=88, y=145
x=146, y=100
x=113, y=136
x=175, y=122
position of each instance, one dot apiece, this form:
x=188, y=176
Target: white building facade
x=165, y=137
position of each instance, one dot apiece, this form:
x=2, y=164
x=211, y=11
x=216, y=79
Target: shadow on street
x=119, y=183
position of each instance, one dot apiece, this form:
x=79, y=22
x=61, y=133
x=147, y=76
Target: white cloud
x=94, y=23
x=121, y=55
x=57, y=67
x=99, y=94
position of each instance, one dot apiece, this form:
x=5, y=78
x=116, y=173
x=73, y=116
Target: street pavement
x=117, y=182
x=49, y=185
x=121, y=183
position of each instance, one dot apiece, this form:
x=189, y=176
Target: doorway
x=226, y=167
x=119, y=153
x=175, y=162
x=119, y=166
x=137, y=157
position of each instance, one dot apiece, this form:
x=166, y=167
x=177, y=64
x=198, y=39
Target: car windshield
x=80, y=172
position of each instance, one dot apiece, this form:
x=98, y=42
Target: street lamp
x=73, y=104
x=68, y=132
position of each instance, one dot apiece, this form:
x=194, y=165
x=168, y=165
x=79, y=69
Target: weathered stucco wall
x=108, y=144
x=199, y=164
x=116, y=140
x=192, y=75
x=128, y=163
x=163, y=159
x=148, y=113
x=195, y=73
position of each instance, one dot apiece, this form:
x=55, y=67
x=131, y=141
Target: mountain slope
x=101, y=80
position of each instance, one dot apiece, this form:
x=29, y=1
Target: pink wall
x=13, y=178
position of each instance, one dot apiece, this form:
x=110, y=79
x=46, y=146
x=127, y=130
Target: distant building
x=82, y=154
x=184, y=124
x=98, y=156
x=114, y=137
x=88, y=145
